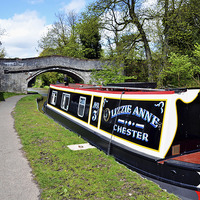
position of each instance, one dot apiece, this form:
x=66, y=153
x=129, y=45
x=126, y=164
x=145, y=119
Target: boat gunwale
x=118, y=90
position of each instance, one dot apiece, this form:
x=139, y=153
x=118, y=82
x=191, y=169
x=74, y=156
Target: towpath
x=16, y=181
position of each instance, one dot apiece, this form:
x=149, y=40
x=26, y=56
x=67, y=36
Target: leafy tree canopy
x=89, y=33
x=68, y=37
x=184, y=23
x=184, y=70
x=155, y=44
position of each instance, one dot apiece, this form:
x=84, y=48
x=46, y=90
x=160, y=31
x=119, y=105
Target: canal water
x=40, y=101
x=42, y=91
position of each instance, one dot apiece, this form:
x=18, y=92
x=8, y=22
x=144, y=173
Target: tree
x=67, y=37
x=176, y=29
x=121, y=15
x=61, y=38
x=2, y=53
x=184, y=70
x=73, y=48
x=111, y=72
x=181, y=22
x=45, y=79
x=88, y=30
x=2, y=50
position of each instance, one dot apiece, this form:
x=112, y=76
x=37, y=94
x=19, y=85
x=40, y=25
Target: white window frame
x=81, y=106
x=65, y=96
x=54, y=96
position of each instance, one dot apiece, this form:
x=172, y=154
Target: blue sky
x=25, y=21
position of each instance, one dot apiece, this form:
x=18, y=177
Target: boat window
x=81, y=106
x=54, y=97
x=65, y=101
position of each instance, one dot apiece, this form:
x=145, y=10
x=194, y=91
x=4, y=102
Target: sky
x=26, y=21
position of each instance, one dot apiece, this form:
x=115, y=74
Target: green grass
x=65, y=174
x=5, y=95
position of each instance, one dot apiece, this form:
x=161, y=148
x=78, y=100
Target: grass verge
x=65, y=174
x=5, y=95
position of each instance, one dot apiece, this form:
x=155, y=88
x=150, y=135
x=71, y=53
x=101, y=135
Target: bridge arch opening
x=72, y=76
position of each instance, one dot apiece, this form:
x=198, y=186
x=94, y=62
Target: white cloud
x=22, y=34
x=76, y=5
x=149, y=3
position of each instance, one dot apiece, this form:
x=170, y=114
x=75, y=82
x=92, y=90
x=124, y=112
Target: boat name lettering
x=121, y=110
x=146, y=116
x=138, y=112
x=131, y=133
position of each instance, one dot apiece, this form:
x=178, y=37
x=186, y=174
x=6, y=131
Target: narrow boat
x=153, y=131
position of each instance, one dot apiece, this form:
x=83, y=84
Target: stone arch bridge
x=15, y=74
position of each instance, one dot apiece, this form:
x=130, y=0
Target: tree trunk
x=144, y=39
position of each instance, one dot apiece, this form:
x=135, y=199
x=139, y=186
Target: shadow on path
x=1, y=96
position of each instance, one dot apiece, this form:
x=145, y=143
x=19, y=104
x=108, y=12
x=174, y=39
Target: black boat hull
x=173, y=172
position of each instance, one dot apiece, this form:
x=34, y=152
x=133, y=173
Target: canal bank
x=16, y=180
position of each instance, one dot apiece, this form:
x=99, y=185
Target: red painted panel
x=198, y=193
x=190, y=158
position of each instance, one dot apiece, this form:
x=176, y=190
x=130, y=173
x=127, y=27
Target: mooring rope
x=110, y=141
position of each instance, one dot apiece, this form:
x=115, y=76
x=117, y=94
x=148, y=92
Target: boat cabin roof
x=119, y=88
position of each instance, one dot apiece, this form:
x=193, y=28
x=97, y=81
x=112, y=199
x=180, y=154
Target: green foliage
x=184, y=70
x=2, y=53
x=5, y=95
x=140, y=38
x=49, y=52
x=61, y=38
x=179, y=30
x=48, y=78
x=136, y=70
x=196, y=53
x=88, y=30
x=73, y=48
x=68, y=38
x=123, y=21
x=65, y=174
x=2, y=50
x=122, y=63
x=181, y=68
x=109, y=74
